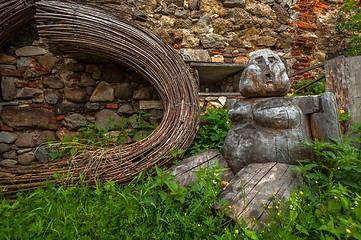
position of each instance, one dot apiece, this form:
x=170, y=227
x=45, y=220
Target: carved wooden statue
x=267, y=125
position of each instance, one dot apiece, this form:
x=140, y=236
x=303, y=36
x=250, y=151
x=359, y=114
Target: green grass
x=147, y=208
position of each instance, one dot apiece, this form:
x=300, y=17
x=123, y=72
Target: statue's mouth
x=268, y=78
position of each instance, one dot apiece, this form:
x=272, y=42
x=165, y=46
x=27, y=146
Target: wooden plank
x=255, y=188
x=150, y=104
x=184, y=170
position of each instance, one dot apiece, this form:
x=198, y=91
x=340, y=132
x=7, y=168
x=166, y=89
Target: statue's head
x=265, y=75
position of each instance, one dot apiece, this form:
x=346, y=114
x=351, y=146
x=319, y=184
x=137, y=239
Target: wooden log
x=256, y=187
x=343, y=78
x=184, y=170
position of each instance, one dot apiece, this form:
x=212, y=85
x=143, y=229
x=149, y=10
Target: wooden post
x=343, y=78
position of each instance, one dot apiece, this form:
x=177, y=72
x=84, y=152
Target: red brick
x=303, y=59
x=306, y=25
x=6, y=128
x=227, y=55
x=40, y=68
x=27, y=84
x=112, y=105
x=60, y=117
x=307, y=17
x=296, y=52
x=176, y=46
x=11, y=73
x=47, y=106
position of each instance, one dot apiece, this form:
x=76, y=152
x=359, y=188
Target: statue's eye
x=272, y=59
x=259, y=60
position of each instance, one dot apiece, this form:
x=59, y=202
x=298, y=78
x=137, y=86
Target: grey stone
x=65, y=108
x=63, y=133
x=52, y=82
x=126, y=109
x=133, y=121
x=123, y=91
x=76, y=95
x=75, y=67
x=42, y=154
x=23, y=62
x=143, y=92
x=8, y=162
x=182, y=13
x=139, y=15
x=234, y=3
x=4, y=148
x=28, y=93
x=67, y=75
x=150, y=104
x=44, y=136
x=156, y=117
x=10, y=155
x=107, y=119
x=8, y=137
x=23, y=150
x=27, y=117
x=94, y=106
x=265, y=41
x=74, y=121
x=91, y=68
x=89, y=90
x=223, y=26
x=7, y=60
x=247, y=45
x=26, y=158
x=183, y=171
x=8, y=88
x=190, y=40
x=112, y=73
x=48, y=61
x=86, y=80
x=31, y=73
x=103, y=93
x=26, y=140
x=52, y=97
x=213, y=41
x=28, y=51
x=11, y=67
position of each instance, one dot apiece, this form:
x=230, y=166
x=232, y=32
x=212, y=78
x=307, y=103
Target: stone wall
x=302, y=32
x=46, y=96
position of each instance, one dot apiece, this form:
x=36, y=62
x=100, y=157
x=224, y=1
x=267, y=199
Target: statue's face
x=264, y=76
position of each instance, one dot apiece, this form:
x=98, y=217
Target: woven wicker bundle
x=74, y=28
x=14, y=16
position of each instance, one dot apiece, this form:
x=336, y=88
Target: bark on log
x=343, y=78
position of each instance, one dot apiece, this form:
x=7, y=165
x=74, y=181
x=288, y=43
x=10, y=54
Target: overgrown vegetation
x=351, y=25
x=309, y=87
x=327, y=207
x=213, y=129
x=147, y=208
x=91, y=136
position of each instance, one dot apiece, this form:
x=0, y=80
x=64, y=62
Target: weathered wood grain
x=343, y=78
x=184, y=169
x=258, y=186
